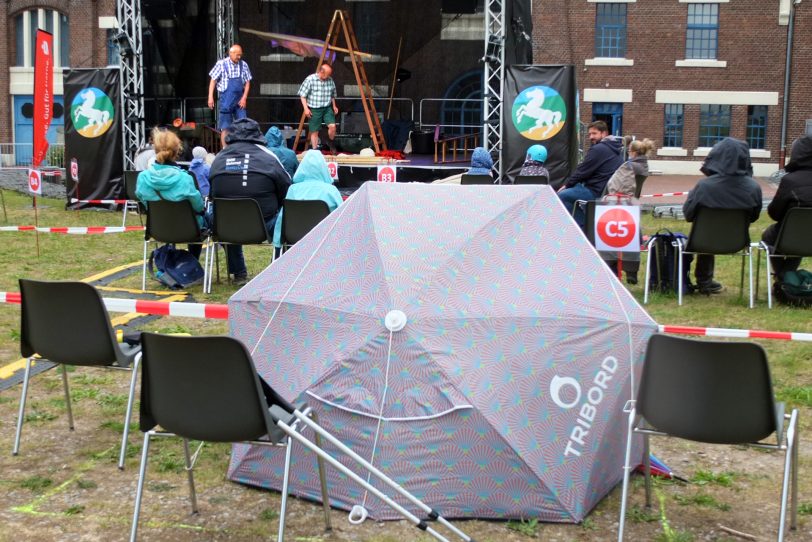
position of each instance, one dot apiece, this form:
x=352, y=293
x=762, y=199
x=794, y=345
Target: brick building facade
x=80, y=29
x=708, y=68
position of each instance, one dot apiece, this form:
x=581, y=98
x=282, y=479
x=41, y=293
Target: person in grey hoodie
x=795, y=190
x=729, y=185
x=276, y=143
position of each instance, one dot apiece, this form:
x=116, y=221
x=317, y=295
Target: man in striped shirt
x=232, y=78
x=318, y=95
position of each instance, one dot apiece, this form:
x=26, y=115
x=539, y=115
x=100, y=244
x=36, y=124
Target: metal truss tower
x=132, y=78
x=224, y=22
x=494, y=61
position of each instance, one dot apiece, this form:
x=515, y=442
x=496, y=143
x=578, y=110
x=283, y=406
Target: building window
x=757, y=126
x=610, y=30
x=25, y=35
x=461, y=111
x=113, y=56
x=714, y=124
x=672, y=136
x=611, y=113
x=703, y=31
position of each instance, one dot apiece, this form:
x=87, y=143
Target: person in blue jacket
x=312, y=181
x=276, y=143
x=200, y=169
x=481, y=162
x=164, y=179
x=590, y=177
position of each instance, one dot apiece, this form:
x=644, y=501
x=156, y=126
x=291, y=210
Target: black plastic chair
x=639, y=180
x=713, y=392
x=467, y=179
x=170, y=222
x=718, y=232
x=237, y=221
x=66, y=323
x=207, y=389
x=793, y=240
x=130, y=182
x=299, y=217
x=531, y=179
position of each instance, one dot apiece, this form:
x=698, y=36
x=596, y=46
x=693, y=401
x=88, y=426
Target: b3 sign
x=617, y=228
x=387, y=174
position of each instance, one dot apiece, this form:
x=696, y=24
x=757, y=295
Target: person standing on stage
x=232, y=78
x=318, y=95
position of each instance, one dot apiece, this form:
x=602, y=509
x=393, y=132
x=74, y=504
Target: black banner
x=93, y=160
x=540, y=107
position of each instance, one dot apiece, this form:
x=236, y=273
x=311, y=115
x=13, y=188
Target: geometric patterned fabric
x=501, y=397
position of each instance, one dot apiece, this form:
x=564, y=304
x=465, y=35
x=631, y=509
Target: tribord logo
x=567, y=393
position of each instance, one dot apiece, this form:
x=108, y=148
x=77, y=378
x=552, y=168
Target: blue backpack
x=664, y=264
x=175, y=268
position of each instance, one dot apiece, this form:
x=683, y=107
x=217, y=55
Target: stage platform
x=415, y=168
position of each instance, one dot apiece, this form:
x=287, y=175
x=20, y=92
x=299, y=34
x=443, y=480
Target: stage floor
x=420, y=168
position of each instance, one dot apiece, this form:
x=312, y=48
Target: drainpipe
x=782, y=154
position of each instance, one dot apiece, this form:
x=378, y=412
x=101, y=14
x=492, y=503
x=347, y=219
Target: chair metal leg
x=285, y=481
x=750, y=260
x=67, y=395
x=679, y=274
x=626, y=473
x=647, y=468
x=190, y=474
x=325, y=498
x=794, y=506
x=21, y=412
x=648, y=273
x=144, y=270
x=128, y=416
x=124, y=216
x=142, y=472
x=769, y=276
x=785, y=489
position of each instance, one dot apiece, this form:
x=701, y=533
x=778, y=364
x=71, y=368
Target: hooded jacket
x=795, y=189
x=623, y=180
x=312, y=181
x=481, y=162
x=601, y=161
x=729, y=184
x=245, y=168
x=200, y=168
x=172, y=183
x=276, y=143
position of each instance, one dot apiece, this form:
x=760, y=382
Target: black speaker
x=458, y=6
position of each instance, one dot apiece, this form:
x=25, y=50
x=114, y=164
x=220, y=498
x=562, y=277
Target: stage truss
x=131, y=79
x=494, y=61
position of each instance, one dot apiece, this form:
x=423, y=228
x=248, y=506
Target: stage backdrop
x=93, y=160
x=540, y=107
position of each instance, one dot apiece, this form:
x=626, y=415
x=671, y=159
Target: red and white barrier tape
x=220, y=312
x=76, y=230
x=101, y=201
x=664, y=195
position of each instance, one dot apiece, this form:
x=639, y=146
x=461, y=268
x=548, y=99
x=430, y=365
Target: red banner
x=43, y=94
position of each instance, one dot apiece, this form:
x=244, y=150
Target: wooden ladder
x=341, y=24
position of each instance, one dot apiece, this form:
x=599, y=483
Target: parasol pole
x=394, y=78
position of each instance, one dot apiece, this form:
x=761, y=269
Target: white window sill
x=702, y=151
x=612, y=1
x=608, y=61
x=759, y=153
x=704, y=1
x=672, y=151
x=700, y=63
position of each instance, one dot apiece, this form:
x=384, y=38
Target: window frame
x=695, y=31
x=714, y=123
x=756, y=129
x=610, y=31
x=673, y=125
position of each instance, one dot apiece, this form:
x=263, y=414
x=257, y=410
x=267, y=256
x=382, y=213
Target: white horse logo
x=534, y=110
x=94, y=116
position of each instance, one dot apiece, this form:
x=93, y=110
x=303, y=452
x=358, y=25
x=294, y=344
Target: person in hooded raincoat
x=200, y=169
x=729, y=185
x=311, y=181
x=276, y=142
x=481, y=162
x=246, y=168
x=795, y=190
x=165, y=180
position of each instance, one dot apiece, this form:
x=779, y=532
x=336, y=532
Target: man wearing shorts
x=318, y=95
x=232, y=78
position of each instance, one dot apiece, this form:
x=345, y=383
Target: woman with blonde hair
x=165, y=180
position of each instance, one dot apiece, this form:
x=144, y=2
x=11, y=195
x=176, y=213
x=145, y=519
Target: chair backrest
x=720, y=231
x=793, y=238
x=172, y=222
x=589, y=225
x=708, y=391
x=130, y=182
x=300, y=217
x=476, y=179
x=638, y=184
x=239, y=220
x=202, y=388
x=65, y=322
x=531, y=179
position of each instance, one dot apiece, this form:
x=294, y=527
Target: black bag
x=662, y=250
x=794, y=288
x=175, y=268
